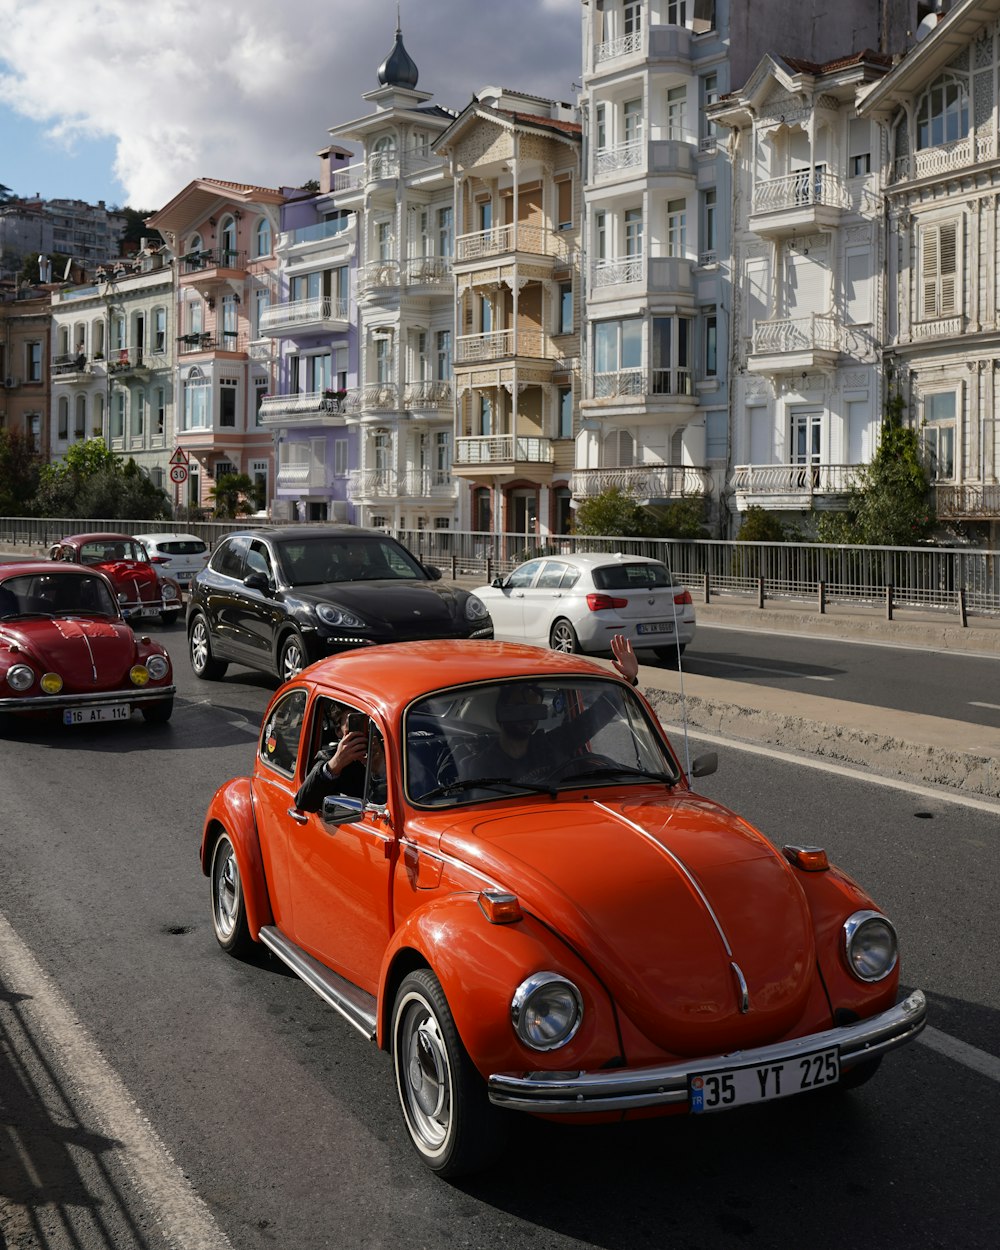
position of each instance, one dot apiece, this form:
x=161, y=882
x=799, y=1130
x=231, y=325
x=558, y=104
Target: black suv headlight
x=338, y=618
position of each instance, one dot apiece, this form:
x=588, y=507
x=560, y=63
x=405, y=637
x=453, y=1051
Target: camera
x=357, y=722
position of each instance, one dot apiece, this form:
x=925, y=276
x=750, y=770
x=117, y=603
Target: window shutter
x=948, y=267
x=928, y=271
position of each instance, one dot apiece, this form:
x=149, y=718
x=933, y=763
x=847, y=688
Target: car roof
x=96, y=537
x=58, y=567
x=394, y=674
x=169, y=537
x=591, y=560
x=281, y=532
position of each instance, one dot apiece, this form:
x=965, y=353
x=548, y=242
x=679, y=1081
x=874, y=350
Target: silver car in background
x=181, y=556
x=578, y=602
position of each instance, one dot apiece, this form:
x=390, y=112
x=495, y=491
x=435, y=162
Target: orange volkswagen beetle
x=488, y=859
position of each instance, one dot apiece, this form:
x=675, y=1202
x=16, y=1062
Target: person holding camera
x=341, y=767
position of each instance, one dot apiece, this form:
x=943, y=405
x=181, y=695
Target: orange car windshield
x=546, y=735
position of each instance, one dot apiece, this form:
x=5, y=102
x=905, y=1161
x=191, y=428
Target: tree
x=91, y=481
x=135, y=226
x=758, y=526
x=890, y=503
x=232, y=495
x=614, y=514
x=20, y=467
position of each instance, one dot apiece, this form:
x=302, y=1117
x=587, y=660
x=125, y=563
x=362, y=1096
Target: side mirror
x=341, y=809
x=705, y=765
x=433, y=572
x=256, y=581
x=498, y=583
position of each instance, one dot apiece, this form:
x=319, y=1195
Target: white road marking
x=827, y=638
x=969, y=1056
x=993, y=707
x=759, y=668
x=184, y=1218
x=943, y=794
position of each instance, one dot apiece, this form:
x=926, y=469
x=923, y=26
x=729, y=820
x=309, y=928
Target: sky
x=122, y=102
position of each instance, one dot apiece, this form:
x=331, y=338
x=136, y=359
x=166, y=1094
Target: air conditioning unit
x=11, y=384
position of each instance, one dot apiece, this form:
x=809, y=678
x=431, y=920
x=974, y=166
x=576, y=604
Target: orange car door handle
x=300, y=818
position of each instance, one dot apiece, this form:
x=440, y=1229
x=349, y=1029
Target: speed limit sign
x=178, y=473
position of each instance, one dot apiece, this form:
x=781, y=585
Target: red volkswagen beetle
x=142, y=590
x=488, y=859
x=66, y=649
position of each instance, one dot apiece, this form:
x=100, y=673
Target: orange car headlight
x=546, y=1011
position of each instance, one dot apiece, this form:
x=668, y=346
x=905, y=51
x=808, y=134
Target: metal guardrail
x=964, y=581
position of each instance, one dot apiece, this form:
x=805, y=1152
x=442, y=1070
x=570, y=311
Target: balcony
x=945, y=158
x=798, y=202
x=373, y=484
x=430, y=272
x=213, y=263
x=71, y=367
x=792, y=344
x=967, y=501
x=197, y=343
x=427, y=396
x=488, y=245
x=319, y=232
x=434, y=484
x=504, y=455
x=645, y=384
x=658, y=275
x=298, y=476
x=656, y=158
x=378, y=279
x=528, y=341
x=132, y=360
x=377, y=397
x=793, y=486
x=659, y=483
x=666, y=45
x=319, y=315
x=307, y=408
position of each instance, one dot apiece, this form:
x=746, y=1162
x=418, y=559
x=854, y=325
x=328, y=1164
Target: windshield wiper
x=487, y=783
x=620, y=770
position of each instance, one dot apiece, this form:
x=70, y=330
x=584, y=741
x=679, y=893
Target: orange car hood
x=87, y=652
x=661, y=896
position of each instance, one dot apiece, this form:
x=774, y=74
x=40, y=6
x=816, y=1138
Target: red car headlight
x=20, y=677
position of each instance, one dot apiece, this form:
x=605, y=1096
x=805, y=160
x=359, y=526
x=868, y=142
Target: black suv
x=278, y=599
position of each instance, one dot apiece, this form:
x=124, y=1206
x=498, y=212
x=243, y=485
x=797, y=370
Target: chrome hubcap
x=227, y=891
x=426, y=1077
x=199, y=647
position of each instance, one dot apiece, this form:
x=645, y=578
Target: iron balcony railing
x=799, y=190
x=213, y=258
x=629, y=383
x=274, y=408
x=644, y=481
x=318, y=310
x=816, y=332
x=505, y=240
x=791, y=479
x=503, y=449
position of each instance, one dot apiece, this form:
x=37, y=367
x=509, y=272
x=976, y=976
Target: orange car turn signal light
x=808, y=858
x=500, y=908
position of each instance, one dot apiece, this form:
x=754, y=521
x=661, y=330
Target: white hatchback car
x=180, y=556
x=578, y=602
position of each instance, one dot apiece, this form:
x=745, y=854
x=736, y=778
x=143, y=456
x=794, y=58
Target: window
x=670, y=353
x=262, y=238
x=943, y=115
x=709, y=96
x=383, y=240
x=159, y=411
x=805, y=446
x=485, y=428
x=383, y=359
x=709, y=202
x=601, y=234
x=632, y=121
x=446, y=231
x=118, y=416
x=258, y=475
x=564, y=210
x=159, y=330
x=33, y=352
x=442, y=457
x=565, y=307
x=618, y=357
x=139, y=415
x=676, y=12
x=481, y=509
x=633, y=232
x=62, y=428
x=939, y=270
x=340, y=457
x=229, y=323
x=197, y=395
x=676, y=227
x=227, y=243
x=485, y=215
x=279, y=741
x=859, y=143
x=260, y=387
x=97, y=417
x=601, y=127
x=632, y=17
x=565, y=429
x=676, y=112
x=938, y=434
x=261, y=301
x=711, y=343
x=443, y=353
x=227, y=402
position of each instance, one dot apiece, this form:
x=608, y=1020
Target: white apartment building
x=402, y=408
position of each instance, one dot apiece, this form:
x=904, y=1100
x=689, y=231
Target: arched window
x=62, y=431
x=943, y=115
x=62, y=347
x=194, y=243
x=383, y=159
x=80, y=424
x=262, y=239
x=97, y=417
x=197, y=393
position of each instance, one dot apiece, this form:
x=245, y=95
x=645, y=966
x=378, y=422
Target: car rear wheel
x=292, y=659
x=670, y=655
x=229, y=911
x=445, y=1106
x=158, y=713
x=205, y=665
x=562, y=637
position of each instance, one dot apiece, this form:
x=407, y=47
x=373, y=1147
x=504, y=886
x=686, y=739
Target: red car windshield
x=52, y=594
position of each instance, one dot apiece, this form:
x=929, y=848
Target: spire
x=398, y=68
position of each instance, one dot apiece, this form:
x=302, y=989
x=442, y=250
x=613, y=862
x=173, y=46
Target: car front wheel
x=205, y=665
x=157, y=713
x=292, y=659
x=445, y=1106
x=562, y=637
x=229, y=911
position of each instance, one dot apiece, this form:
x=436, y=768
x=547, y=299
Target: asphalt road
x=221, y=1104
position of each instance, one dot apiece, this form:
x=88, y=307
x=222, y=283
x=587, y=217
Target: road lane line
x=993, y=707
x=944, y=794
x=183, y=1216
x=757, y=668
x=969, y=1056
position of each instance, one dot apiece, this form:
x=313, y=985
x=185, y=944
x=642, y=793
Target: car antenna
x=680, y=674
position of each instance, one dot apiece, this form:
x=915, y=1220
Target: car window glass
x=185, y=547
x=652, y=576
x=259, y=560
x=279, y=739
x=93, y=553
x=229, y=558
x=570, y=577
x=551, y=575
x=524, y=575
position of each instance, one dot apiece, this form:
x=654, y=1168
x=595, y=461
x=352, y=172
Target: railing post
x=489, y=569
x=760, y=592
x=708, y=589
x=454, y=566
x=822, y=598
x=888, y=603
x=962, y=615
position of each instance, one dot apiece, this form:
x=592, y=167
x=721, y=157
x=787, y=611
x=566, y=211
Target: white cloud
x=245, y=90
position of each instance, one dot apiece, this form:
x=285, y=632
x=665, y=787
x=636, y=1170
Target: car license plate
x=148, y=612
x=655, y=627
x=91, y=715
x=736, y=1087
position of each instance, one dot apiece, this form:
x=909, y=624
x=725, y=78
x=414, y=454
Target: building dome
x=398, y=69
